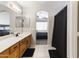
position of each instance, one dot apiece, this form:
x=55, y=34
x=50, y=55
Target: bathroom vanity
x=14, y=47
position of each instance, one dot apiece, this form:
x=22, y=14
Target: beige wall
x=74, y=28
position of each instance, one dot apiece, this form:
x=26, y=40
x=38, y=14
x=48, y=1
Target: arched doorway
x=41, y=27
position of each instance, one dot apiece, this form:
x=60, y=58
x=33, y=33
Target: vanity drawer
x=14, y=48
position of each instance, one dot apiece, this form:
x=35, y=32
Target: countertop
x=8, y=42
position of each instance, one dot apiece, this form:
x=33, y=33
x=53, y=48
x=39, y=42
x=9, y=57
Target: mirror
x=22, y=22
x=4, y=23
x=26, y=21
x=19, y=22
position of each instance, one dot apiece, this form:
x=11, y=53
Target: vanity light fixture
x=14, y=7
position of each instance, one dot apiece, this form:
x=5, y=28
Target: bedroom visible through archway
x=41, y=27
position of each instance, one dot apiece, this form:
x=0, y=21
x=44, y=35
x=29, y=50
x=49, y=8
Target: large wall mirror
x=4, y=23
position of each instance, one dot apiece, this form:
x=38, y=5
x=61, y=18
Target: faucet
x=17, y=34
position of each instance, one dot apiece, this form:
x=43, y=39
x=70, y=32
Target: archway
x=41, y=27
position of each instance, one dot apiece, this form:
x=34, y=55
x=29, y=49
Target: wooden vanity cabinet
x=18, y=49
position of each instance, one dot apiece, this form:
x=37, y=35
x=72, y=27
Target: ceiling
x=25, y=4
x=52, y=5
x=33, y=3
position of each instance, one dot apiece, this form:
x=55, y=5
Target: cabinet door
x=4, y=54
x=22, y=47
x=14, y=54
x=24, y=44
x=14, y=51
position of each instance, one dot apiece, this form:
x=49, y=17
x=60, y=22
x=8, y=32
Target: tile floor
x=41, y=41
x=41, y=51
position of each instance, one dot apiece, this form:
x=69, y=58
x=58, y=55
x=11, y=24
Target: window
x=41, y=22
x=41, y=26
